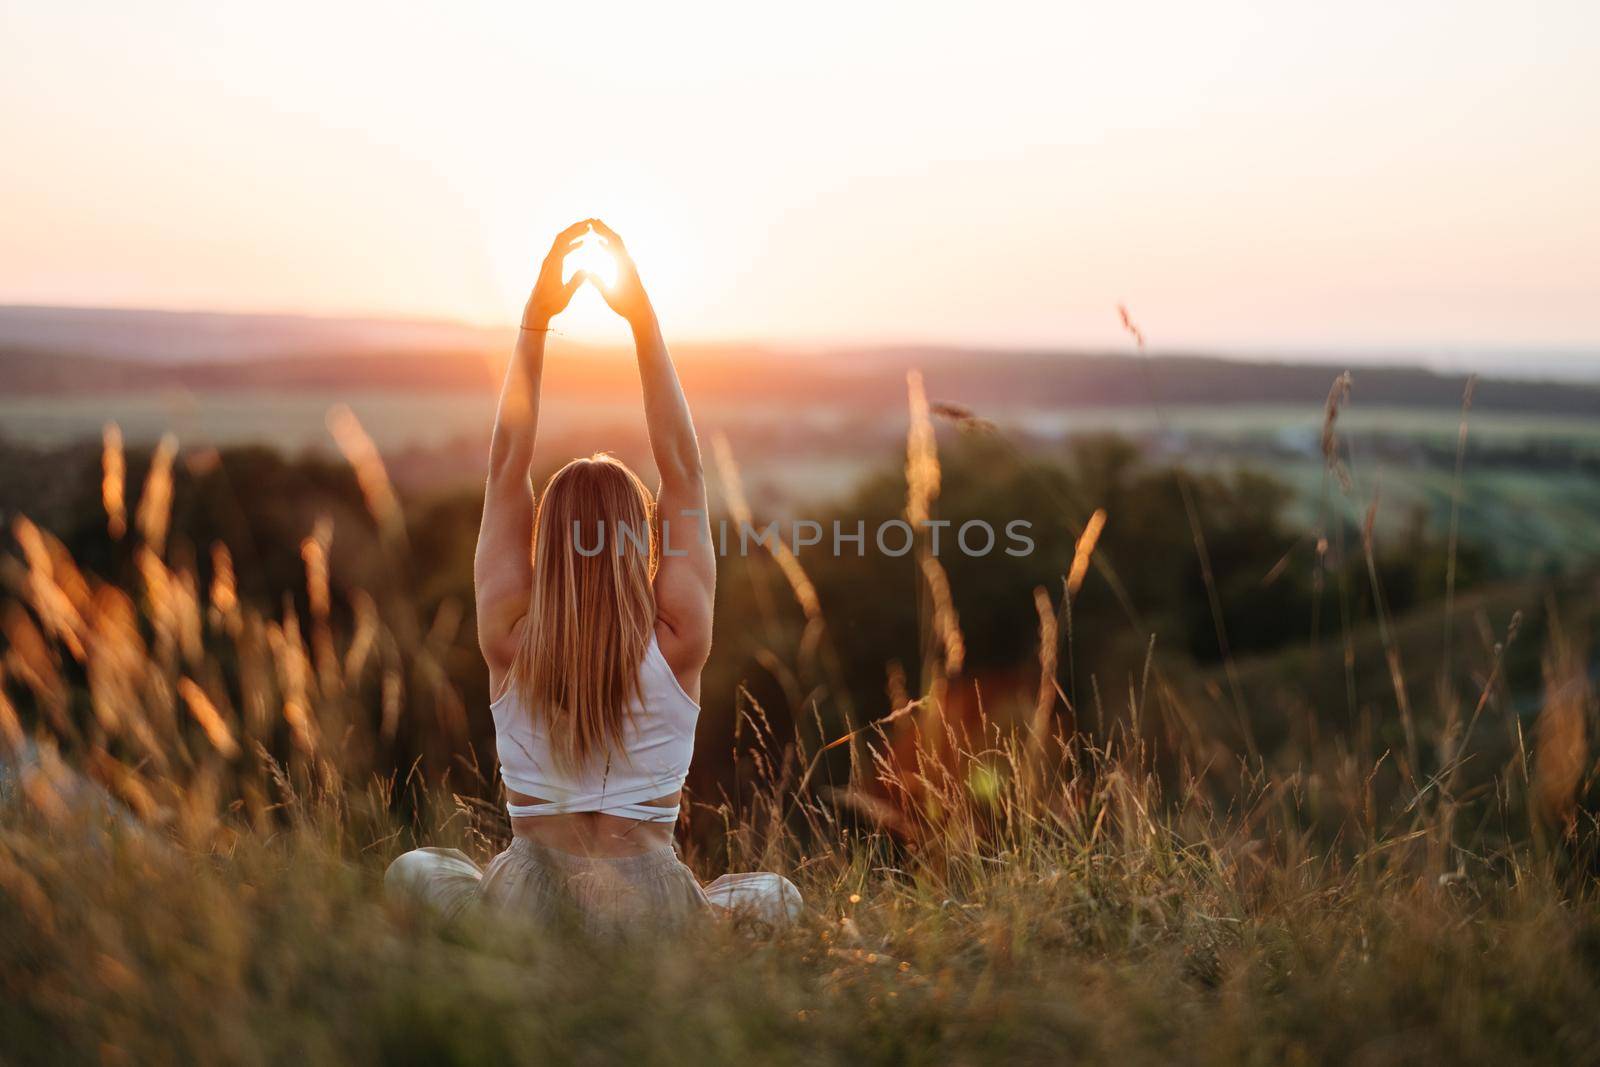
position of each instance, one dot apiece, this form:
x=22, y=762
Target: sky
x=1300, y=176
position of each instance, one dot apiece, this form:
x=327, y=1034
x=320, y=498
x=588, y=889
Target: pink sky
x=1311, y=175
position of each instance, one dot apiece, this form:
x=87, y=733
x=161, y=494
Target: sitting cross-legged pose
x=594, y=615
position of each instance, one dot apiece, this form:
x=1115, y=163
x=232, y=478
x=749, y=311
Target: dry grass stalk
x=805, y=593
x=1128, y=324
x=30, y=658
x=113, y=479
x=922, y=491
x=732, y=481
x=371, y=475
x=118, y=660
x=1561, y=745
x=11, y=734
x=922, y=455
x=314, y=554
x=224, y=594
x=294, y=679
x=965, y=419
x=1391, y=644
x=155, y=499
x=363, y=639
x=946, y=623
x=895, y=684
x=300, y=726
x=1083, y=552
x=1338, y=395
x=172, y=600
x=205, y=713
x=815, y=641
x=1202, y=553
x=127, y=785
x=1045, y=704
x=53, y=585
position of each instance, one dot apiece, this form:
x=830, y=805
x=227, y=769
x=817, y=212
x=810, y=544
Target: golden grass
x=113, y=480
x=155, y=499
x=922, y=493
x=202, y=807
x=1083, y=552
x=370, y=472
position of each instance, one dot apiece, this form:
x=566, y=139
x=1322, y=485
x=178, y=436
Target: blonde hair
x=592, y=610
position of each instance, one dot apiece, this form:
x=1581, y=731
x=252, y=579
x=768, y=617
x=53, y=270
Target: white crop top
x=658, y=742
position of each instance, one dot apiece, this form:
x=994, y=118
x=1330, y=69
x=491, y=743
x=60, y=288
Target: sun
x=594, y=257
x=662, y=239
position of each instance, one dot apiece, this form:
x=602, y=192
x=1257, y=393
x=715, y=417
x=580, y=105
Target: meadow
x=1129, y=845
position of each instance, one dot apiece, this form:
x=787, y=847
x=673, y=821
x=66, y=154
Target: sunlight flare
x=595, y=258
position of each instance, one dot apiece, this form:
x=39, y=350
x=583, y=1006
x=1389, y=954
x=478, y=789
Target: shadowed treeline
x=259, y=510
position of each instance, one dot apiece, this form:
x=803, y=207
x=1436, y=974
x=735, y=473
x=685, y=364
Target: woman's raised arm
x=685, y=583
x=502, y=568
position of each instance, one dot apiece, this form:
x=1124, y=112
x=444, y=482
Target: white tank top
x=658, y=742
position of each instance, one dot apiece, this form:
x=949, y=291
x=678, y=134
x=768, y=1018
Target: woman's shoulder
x=673, y=665
x=498, y=656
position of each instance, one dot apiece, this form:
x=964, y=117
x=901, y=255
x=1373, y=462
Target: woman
x=595, y=640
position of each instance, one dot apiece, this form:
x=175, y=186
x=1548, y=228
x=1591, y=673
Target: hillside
x=60, y=351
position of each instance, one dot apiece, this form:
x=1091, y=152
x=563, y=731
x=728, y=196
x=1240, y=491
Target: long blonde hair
x=592, y=608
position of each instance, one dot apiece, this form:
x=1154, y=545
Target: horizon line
x=1244, y=351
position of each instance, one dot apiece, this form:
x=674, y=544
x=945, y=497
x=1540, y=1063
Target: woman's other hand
x=626, y=295
x=550, y=294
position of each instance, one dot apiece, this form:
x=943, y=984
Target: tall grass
x=200, y=798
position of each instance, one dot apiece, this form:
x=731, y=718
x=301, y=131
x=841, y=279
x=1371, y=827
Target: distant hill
x=204, y=336
x=59, y=350
x=1116, y=380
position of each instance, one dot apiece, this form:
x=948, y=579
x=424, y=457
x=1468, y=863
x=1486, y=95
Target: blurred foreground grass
x=1108, y=936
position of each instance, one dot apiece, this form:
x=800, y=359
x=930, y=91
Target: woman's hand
x=550, y=294
x=626, y=295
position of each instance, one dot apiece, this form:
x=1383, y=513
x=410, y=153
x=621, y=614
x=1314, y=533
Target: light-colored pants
x=653, y=890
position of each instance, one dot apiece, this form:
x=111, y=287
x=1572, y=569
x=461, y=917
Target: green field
x=397, y=418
